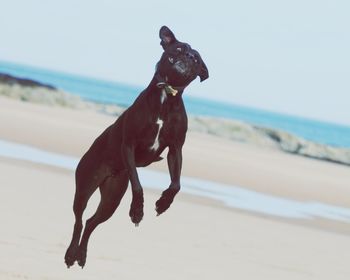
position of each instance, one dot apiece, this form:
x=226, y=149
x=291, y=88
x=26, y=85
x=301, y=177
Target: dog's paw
x=164, y=202
x=136, y=215
x=162, y=205
x=70, y=256
x=136, y=211
x=81, y=257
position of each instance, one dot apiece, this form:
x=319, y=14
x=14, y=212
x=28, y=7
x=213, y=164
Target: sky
x=291, y=57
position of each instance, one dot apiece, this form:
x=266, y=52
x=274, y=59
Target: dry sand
x=195, y=239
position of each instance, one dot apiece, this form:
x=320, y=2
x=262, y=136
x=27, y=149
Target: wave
x=32, y=91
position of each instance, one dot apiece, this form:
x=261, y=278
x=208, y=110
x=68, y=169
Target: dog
x=155, y=121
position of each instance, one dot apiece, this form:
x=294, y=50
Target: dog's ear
x=167, y=37
x=203, y=74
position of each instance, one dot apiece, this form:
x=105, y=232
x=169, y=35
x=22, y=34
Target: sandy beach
x=197, y=238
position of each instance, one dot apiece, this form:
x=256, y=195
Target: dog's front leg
x=174, y=158
x=136, y=208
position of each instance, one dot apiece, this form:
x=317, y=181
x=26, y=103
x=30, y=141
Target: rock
x=11, y=80
x=268, y=137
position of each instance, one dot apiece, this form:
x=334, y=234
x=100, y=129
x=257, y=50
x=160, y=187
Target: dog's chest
x=167, y=124
x=162, y=123
x=155, y=145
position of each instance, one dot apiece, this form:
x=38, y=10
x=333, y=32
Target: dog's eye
x=196, y=58
x=171, y=60
x=179, y=49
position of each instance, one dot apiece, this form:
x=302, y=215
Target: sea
x=110, y=92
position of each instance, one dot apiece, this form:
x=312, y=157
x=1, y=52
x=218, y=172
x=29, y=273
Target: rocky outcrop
x=295, y=145
x=32, y=91
x=11, y=80
x=268, y=137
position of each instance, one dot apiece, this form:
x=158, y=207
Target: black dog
x=155, y=121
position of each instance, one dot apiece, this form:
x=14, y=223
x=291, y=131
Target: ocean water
x=121, y=94
x=232, y=196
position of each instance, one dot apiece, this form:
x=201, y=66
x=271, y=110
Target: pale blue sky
x=284, y=56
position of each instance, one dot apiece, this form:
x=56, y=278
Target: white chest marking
x=155, y=145
x=163, y=96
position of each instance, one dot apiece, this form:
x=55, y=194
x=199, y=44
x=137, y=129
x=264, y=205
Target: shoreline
x=313, y=222
x=229, y=196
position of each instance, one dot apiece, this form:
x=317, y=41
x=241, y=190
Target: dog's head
x=179, y=64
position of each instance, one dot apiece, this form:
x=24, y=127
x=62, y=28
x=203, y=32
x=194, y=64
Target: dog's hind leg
x=82, y=195
x=80, y=202
x=112, y=191
x=87, y=179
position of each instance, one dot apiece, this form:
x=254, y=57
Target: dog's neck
x=163, y=96
x=162, y=83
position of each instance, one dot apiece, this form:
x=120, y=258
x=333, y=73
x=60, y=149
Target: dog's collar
x=169, y=89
